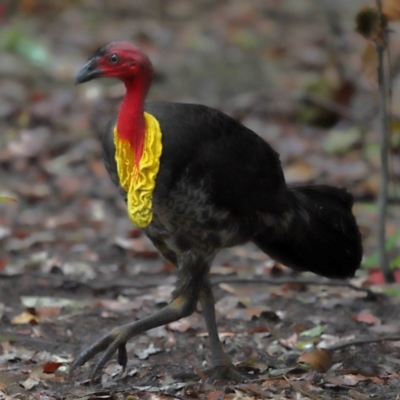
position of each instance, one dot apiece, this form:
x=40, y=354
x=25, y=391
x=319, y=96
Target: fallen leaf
x=341, y=141
x=353, y=394
x=4, y=231
x=367, y=318
x=314, y=332
x=137, y=245
x=33, y=378
x=47, y=301
x=372, y=371
x=3, y=262
x=252, y=388
x=216, y=395
x=25, y=318
x=344, y=380
x=47, y=313
x=5, y=199
x=51, y=367
x=181, y=326
x=391, y=8
x=300, y=172
x=192, y=393
x=319, y=360
x=144, y=354
x=200, y=373
x=290, y=342
x=118, y=305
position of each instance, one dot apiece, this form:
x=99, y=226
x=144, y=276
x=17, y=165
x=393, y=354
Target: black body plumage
x=221, y=185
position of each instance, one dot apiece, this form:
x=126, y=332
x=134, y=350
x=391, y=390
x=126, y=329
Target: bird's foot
x=110, y=343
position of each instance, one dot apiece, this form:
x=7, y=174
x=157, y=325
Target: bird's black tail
x=318, y=233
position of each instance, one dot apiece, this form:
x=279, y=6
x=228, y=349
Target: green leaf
x=338, y=141
x=303, y=345
x=395, y=263
x=372, y=259
x=313, y=332
x=391, y=291
x=15, y=40
x=393, y=240
x=4, y=199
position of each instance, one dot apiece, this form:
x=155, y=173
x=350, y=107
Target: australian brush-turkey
x=198, y=181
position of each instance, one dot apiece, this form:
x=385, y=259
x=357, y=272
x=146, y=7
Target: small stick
x=342, y=346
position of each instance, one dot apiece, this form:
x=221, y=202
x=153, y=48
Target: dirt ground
x=72, y=266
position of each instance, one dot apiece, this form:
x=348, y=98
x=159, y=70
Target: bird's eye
x=113, y=59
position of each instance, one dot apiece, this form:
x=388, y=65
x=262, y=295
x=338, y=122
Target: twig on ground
x=342, y=346
x=301, y=281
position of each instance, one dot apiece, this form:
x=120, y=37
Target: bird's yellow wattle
x=139, y=179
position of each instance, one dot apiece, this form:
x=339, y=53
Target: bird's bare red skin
x=135, y=70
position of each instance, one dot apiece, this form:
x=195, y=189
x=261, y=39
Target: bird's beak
x=88, y=72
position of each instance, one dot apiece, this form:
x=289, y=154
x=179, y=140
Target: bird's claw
x=110, y=343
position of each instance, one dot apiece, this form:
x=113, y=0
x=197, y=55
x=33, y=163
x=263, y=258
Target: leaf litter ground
x=71, y=265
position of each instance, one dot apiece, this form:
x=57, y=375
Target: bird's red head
x=121, y=60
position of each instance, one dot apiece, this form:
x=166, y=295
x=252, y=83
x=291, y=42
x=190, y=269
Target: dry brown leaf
x=200, y=373
x=357, y=395
x=290, y=342
x=118, y=305
x=367, y=318
x=319, y=360
x=5, y=199
x=372, y=371
x=33, y=378
x=47, y=313
x=25, y=318
x=181, y=326
x=215, y=395
x=300, y=172
x=156, y=397
x=391, y=8
x=345, y=380
x=51, y=367
x=253, y=388
x=3, y=262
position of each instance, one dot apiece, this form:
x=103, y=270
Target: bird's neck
x=131, y=124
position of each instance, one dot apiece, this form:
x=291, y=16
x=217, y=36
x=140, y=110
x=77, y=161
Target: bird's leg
x=191, y=274
x=222, y=367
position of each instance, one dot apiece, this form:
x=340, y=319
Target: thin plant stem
x=384, y=155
